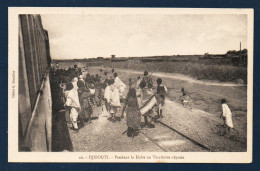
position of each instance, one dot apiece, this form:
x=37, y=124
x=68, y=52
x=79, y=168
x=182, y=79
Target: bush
x=196, y=70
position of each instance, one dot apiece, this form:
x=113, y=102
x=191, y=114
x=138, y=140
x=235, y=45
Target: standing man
x=114, y=101
x=120, y=85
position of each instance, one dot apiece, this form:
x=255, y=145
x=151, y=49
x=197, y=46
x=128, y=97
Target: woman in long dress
x=92, y=102
x=227, y=115
x=133, y=116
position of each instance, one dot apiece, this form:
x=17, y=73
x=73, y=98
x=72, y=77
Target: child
x=160, y=96
x=226, y=115
x=185, y=98
x=114, y=101
x=148, y=80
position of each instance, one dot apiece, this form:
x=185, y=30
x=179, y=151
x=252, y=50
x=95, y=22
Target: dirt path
x=182, y=78
x=104, y=136
x=202, y=123
x=201, y=126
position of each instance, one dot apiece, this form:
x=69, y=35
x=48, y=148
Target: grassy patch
x=197, y=70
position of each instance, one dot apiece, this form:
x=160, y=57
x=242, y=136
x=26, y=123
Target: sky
x=78, y=36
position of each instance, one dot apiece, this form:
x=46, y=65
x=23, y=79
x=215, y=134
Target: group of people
x=86, y=96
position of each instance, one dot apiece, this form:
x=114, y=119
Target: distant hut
x=113, y=57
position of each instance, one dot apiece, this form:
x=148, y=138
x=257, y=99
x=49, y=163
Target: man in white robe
x=114, y=101
x=120, y=85
x=72, y=101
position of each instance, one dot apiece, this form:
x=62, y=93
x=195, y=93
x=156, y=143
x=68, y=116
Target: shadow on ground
x=60, y=134
x=61, y=140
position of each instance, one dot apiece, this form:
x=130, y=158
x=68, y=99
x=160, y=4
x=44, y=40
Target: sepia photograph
x=130, y=85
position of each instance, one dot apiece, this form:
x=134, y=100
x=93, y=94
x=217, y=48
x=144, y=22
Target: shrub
x=197, y=70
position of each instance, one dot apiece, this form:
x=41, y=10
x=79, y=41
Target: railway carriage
x=35, y=102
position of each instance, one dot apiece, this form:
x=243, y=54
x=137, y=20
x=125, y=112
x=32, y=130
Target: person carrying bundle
x=147, y=102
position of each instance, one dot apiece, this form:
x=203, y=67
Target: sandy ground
x=202, y=123
x=104, y=136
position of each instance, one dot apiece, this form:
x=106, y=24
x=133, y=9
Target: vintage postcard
x=130, y=85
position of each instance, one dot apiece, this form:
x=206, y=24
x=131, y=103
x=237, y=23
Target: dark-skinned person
x=160, y=96
x=92, y=102
x=147, y=102
x=133, y=116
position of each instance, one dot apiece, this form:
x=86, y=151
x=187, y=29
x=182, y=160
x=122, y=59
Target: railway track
x=179, y=133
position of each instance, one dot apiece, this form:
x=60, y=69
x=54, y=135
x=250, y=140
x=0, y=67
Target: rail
x=39, y=93
x=185, y=136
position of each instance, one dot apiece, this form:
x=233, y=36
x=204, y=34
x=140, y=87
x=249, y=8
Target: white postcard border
x=169, y=157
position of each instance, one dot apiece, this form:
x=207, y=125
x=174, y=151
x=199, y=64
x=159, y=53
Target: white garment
x=75, y=85
x=107, y=93
x=104, y=111
x=84, y=74
x=138, y=84
x=114, y=98
x=92, y=91
x=72, y=99
x=81, y=78
x=228, y=115
x=138, y=89
x=74, y=114
x=165, y=88
x=120, y=86
x=83, y=81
